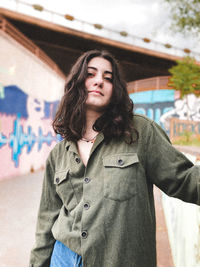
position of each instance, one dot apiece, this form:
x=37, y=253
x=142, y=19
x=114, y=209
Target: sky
x=140, y=18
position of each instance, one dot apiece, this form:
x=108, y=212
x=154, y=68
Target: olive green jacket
x=105, y=211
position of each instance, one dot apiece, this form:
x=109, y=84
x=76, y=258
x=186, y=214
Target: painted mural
x=162, y=105
x=26, y=135
x=25, y=123
x=30, y=91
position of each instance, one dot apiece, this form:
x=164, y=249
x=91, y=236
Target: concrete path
x=19, y=198
x=19, y=201
x=191, y=150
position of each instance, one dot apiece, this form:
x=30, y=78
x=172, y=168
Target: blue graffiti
x=3, y=140
x=153, y=111
x=153, y=103
x=153, y=96
x=18, y=140
x=9, y=105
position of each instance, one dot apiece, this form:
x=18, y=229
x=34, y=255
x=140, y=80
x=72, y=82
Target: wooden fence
x=180, y=128
x=155, y=83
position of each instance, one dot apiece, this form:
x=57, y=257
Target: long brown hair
x=115, y=122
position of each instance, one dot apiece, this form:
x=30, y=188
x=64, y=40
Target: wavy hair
x=115, y=122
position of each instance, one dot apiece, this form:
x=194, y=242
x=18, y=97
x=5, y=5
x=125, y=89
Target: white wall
x=21, y=67
x=183, y=223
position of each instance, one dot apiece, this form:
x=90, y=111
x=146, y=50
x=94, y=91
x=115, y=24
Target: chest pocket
x=120, y=174
x=65, y=189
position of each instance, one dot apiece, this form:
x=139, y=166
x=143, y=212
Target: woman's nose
x=99, y=80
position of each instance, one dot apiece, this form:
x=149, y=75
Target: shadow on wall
x=26, y=135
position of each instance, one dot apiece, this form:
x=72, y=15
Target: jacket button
x=57, y=180
x=86, y=180
x=120, y=162
x=86, y=206
x=84, y=234
x=77, y=160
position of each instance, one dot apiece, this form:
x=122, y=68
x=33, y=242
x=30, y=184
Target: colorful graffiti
x=25, y=130
x=161, y=105
x=154, y=103
x=187, y=108
x=17, y=140
x=26, y=135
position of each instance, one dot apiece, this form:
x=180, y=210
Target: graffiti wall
x=162, y=105
x=29, y=94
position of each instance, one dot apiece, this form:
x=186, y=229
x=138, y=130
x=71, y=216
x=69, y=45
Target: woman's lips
x=96, y=92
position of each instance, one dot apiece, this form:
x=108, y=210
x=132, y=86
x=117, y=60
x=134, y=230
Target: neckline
x=91, y=140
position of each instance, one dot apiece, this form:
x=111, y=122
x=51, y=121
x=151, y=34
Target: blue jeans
x=62, y=256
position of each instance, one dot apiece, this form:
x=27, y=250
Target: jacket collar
x=72, y=147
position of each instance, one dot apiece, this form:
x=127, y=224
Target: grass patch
x=187, y=139
x=186, y=143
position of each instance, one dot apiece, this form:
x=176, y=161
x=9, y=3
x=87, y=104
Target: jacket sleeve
x=169, y=169
x=49, y=208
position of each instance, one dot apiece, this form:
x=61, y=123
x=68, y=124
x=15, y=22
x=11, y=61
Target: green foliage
x=185, y=15
x=185, y=77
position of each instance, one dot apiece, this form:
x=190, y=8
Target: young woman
x=97, y=205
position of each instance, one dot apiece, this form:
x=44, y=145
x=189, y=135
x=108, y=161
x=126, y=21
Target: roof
x=63, y=45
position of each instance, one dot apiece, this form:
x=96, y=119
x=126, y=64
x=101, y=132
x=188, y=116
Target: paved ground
x=192, y=150
x=19, y=198
x=164, y=254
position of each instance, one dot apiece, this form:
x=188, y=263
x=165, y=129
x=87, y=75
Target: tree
x=185, y=77
x=185, y=15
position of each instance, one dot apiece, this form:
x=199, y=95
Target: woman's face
x=99, y=84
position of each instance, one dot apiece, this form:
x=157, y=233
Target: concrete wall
x=183, y=224
x=29, y=94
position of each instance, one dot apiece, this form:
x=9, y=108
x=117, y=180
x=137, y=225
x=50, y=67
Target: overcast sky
x=142, y=18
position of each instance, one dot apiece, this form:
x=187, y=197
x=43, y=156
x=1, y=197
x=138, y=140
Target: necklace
x=89, y=140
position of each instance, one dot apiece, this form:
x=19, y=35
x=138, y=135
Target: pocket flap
x=59, y=177
x=120, y=160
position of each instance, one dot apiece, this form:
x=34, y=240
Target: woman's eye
x=108, y=79
x=90, y=74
